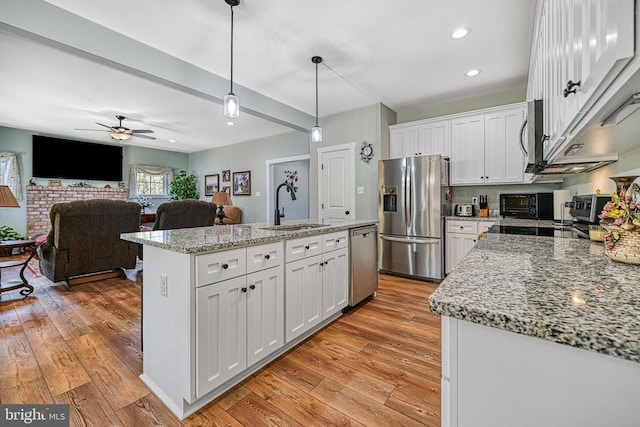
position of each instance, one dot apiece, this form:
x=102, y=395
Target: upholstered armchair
x=186, y=213
x=84, y=239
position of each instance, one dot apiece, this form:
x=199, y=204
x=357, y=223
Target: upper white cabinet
x=419, y=138
x=485, y=148
x=580, y=47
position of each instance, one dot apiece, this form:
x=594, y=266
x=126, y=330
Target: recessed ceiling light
x=460, y=32
x=172, y=140
x=230, y=123
x=473, y=72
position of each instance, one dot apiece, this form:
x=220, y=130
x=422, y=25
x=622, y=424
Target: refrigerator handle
x=404, y=196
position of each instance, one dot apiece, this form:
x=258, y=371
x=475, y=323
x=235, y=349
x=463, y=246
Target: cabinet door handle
x=571, y=87
x=225, y=266
x=252, y=286
x=243, y=289
x=346, y=212
x=267, y=256
x=307, y=247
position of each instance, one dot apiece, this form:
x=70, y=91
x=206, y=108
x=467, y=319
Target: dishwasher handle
x=362, y=231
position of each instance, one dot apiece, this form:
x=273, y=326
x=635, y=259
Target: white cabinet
x=265, y=313
x=467, y=150
x=419, y=139
x=240, y=320
x=317, y=285
x=461, y=236
x=485, y=148
x=221, y=330
x=581, y=46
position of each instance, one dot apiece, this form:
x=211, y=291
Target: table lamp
x=221, y=198
x=7, y=199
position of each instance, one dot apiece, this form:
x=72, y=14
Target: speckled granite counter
x=559, y=289
x=222, y=237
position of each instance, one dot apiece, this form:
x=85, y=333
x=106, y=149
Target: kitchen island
x=539, y=331
x=220, y=302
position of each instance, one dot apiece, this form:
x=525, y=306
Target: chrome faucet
x=277, y=216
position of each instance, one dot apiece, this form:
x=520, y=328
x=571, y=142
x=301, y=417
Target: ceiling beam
x=47, y=24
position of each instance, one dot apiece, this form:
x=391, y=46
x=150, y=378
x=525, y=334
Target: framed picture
x=226, y=175
x=242, y=183
x=211, y=184
x=226, y=189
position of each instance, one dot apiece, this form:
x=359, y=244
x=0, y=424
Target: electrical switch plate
x=163, y=285
x=360, y=190
x=257, y=194
x=474, y=200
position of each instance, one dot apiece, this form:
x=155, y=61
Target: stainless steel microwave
x=527, y=205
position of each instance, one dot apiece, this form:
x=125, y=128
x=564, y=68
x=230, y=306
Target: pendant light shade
x=316, y=131
x=231, y=104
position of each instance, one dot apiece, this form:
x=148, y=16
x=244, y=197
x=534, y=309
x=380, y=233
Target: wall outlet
x=163, y=285
x=360, y=190
x=474, y=200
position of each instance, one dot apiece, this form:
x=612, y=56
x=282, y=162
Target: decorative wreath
x=366, y=152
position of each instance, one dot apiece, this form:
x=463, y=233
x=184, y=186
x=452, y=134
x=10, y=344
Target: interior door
x=336, y=183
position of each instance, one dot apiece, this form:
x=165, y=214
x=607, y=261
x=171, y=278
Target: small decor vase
x=621, y=218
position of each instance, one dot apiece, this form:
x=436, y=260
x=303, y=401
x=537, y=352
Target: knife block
x=484, y=213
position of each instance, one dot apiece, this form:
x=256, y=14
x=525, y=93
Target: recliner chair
x=84, y=239
x=186, y=213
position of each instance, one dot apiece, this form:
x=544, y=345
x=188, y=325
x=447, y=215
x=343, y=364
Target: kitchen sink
x=294, y=227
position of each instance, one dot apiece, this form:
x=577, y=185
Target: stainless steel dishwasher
x=363, y=254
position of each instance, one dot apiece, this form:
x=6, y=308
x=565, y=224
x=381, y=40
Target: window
x=149, y=180
x=10, y=173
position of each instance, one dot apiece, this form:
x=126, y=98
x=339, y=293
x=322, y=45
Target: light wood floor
x=378, y=365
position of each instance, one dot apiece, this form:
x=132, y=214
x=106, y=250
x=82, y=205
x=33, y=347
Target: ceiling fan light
x=120, y=136
x=231, y=105
x=316, y=134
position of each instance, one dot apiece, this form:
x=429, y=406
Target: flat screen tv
x=64, y=158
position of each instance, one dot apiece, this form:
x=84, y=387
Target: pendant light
x=231, y=101
x=316, y=131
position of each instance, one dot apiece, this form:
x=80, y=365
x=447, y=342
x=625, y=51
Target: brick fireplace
x=40, y=199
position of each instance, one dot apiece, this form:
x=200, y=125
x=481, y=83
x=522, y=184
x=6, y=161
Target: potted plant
x=183, y=186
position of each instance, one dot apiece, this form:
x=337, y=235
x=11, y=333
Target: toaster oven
x=527, y=205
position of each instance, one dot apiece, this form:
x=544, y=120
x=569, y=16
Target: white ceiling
x=396, y=53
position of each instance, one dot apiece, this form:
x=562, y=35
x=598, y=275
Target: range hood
x=573, y=167
x=535, y=149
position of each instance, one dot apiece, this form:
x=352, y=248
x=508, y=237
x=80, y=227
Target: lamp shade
x=7, y=199
x=221, y=198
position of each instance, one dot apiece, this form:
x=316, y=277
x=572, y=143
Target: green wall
x=508, y=96
x=249, y=156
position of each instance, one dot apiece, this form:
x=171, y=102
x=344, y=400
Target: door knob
x=252, y=286
x=225, y=266
x=243, y=289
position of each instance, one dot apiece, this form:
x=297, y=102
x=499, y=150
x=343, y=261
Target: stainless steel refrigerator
x=414, y=198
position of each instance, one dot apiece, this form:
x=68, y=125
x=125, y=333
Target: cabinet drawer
x=304, y=247
x=333, y=241
x=264, y=256
x=464, y=227
x=212, y=268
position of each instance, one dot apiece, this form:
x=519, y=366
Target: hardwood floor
x=378, y=365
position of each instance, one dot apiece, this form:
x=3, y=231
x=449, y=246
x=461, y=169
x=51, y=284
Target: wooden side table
x=29, y=245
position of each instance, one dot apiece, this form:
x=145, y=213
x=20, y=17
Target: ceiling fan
x=122, y=133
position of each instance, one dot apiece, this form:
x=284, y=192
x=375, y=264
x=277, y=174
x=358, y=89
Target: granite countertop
x=222, y=237
x=565, y=290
